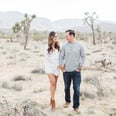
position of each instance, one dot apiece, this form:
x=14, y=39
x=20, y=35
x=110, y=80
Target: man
x=72, y=58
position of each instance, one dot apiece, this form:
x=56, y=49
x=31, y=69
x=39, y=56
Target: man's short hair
x=71, y=32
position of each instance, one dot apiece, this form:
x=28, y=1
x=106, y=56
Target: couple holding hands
x=70, y=60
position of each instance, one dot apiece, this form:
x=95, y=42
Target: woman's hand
x=61, y=68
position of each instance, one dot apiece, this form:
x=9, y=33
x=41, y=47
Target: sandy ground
x=98, y=87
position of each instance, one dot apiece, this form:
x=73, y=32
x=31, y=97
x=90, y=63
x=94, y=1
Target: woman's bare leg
x=53, y=84
x=56, y=78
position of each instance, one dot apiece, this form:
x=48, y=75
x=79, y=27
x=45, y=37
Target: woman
x=51, y=65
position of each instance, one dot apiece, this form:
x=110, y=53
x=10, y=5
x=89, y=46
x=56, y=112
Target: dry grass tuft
x=19, y=78
x=39, y=71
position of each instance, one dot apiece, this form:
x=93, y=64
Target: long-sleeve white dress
x=52, y=62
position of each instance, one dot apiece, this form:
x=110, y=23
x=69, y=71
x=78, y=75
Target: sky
x=61, y=9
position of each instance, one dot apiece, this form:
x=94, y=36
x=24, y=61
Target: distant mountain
x=108, y=26
x=8, y=19
x=63, y=24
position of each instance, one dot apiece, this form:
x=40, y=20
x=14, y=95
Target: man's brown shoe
x=67, y=104
x=77, y=110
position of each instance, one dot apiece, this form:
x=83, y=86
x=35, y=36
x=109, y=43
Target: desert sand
x=24, y=85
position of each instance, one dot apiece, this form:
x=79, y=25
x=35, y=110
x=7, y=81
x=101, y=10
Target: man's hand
x=79, y=69
x=61, y=68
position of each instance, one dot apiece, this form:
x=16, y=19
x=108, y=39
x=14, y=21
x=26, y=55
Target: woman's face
x=55, y=38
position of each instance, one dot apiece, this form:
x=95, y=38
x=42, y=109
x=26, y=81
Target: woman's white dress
x=52, y=62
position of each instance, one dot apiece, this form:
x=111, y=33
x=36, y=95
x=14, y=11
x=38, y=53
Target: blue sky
x=60, y=9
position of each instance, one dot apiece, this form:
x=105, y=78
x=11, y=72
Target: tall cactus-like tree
x=24, y=26
x=89, y=19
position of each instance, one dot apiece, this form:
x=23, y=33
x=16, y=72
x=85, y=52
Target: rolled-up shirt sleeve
x=82, y=56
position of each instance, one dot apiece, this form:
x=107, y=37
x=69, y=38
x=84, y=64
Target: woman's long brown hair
x=50, y=42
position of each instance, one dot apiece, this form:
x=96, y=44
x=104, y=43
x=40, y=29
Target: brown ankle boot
x=50, y=101
x=53, y=104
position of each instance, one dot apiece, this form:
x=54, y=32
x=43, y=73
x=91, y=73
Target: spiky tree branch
x=24, y=26
x=90, y=20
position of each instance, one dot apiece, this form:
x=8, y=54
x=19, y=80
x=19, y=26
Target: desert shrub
x=82, y=38
x=41, y=55
x=5, y=85
x=38, y=90
x=40, y=71
x=114, y=77
x=25, y=108
x=19, y=78
x=69, y=114
x=10, y=57
x=87, y=79
x=100, y=91
x=17, y=87
x=87, y=94
x=114, y=42
x=112, y=114
x=91, y=111
x=98, y=83
x=39, y=36
x=22, y=59
x=4, y=52
x=6, y=35
x=92, y=80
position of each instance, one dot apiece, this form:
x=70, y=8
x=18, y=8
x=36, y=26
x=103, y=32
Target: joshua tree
x=90, y=20
x=16, y=29
x=24, y=26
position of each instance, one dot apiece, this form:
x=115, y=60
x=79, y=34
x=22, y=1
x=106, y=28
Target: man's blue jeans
x=76, y=78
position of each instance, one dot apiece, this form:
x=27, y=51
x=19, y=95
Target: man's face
x=68, y=37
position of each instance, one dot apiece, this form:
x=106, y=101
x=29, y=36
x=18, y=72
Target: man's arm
x=82, y=56
x=61, y=59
